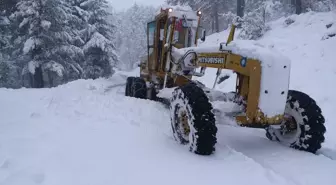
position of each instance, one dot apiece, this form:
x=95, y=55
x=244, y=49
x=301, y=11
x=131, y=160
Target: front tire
x=192, y=120
x=307, y=132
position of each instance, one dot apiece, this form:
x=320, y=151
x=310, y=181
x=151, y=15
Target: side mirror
x=203, y=35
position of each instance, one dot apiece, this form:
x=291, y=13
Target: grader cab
x=262, y=96
x=172, y=27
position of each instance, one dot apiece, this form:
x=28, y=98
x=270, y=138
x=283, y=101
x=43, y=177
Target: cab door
x=151, y=51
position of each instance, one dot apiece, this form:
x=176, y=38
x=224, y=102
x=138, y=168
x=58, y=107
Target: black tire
x=153, y=94
x=129, y=82
x=138, y=88
x=310, y=129
x=201, y=121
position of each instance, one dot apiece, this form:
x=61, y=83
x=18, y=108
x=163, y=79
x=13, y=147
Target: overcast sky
x=123, y=4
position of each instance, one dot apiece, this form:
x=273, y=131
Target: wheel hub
x=289, y=126
x=183, y=124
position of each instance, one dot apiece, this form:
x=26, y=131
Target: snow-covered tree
x=302, y=6
x=9, y=71
x=98, y=38
x=6, y=27
x=274, y=9
x=9, y=74
x=254, y=22
x=132, y=32
x=45, y=41
x=5, y=37
x=214, y=12
x=320, y=5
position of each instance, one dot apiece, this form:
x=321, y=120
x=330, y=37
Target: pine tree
x=98, y=37
x=254, y=21
x=5, y=36
x=7, y=7
x=9, y=71
x=45, y=41
x=133, y=30
x=213, y=11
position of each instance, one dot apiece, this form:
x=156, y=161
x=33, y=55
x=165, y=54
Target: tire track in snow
x=328, y=153
x=271, y=169
x=301, y=168
x=116, y=87
x=271, y=174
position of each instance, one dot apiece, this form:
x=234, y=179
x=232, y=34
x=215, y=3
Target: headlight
x=190, y=59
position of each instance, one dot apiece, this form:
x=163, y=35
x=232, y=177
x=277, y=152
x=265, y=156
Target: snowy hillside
x=87, y=132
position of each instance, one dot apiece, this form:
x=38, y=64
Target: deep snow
x=87, y=132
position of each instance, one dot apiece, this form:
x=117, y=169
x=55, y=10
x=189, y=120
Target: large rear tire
x=192, y=120
x=305, y=128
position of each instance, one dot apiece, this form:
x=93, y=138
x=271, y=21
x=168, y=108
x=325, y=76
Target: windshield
x=185, y=33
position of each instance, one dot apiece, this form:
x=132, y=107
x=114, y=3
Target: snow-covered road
x=85, y=133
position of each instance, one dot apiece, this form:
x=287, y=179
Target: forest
x=45, y=43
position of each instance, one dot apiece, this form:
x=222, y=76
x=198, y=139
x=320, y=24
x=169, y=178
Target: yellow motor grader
x=262, y=96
